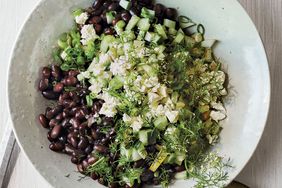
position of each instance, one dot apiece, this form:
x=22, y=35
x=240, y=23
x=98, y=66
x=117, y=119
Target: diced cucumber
x=138, y=44
x=141, y=35
x=187, y=25
x=132, y=22
x=170, y=159
x=144, y=136
x=156, y=38
x=107, y=40
x=62, y=44
x=147, y=13
x=110, y=17
x=180, y=157
x=149, y=36
x=126, y=152
x=169, y=23
x=181, y=175
x=208, y=43
x=144, y=24
x=148, y=136
x=142, y=151
x=198, y=37
x=172, y=31
x=119, y=26
x=127, y=36
x=125, y=4
x=116, y=83
x=149, y=70
x=135, y=155
x=190, y=42
x=179, y=38
x=161, y=123
x=161, y=31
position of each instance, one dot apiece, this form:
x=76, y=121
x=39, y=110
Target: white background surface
x=265, y=168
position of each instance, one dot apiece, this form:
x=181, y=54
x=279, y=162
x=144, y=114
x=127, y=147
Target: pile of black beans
x=69, y=121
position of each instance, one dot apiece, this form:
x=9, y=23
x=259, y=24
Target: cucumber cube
x=161, y=123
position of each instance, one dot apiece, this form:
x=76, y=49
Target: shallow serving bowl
x=240, y=49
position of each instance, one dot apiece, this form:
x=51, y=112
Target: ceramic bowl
x=240, y=49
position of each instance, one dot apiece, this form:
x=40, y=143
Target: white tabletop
x=264, y=169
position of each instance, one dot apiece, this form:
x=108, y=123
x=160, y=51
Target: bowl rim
x=230, y=178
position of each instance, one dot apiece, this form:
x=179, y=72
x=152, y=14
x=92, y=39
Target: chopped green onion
x=77, y=12
x=169, y=23
x=89, y=101
x=132, y=22
x=147, y=13
x=144, y=24
x=125, y=4
x=110, y=17
x=185, y=22
x=208, y=43
x=201, y=29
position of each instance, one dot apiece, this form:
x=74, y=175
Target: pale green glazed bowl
x=240, y=49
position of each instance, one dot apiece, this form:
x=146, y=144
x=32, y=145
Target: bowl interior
x=240, y=49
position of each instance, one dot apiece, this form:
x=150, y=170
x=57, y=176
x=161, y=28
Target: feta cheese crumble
x=82, y=18
x=88, y=33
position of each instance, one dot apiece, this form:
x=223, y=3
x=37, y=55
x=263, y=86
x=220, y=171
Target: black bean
x=75, y=160
x=50, y=95
x=58, y=146
x=107, y=121
x=94, y=176
x=75, y=123
x=117, y=18
x=73, y=111
x=56, y=131
x=80, y=168
x=105, y=141
x=147, y=175
x=179, y=168
x=113, y=185
x=57, y=109
x=112, y=132
x=63, y=97
x=74, y=141
x=159, y=9
x=113, y=7
x=53, y=123
x=139, y=163
x=101, y=181
x=167, y=166
x=101, y=149
x=104, y=17
x=85, y=164
x=69, y=149
x=95, y=20
x=92, y=160
x=71, y=81
x=59, y=117
x=88, y=149
x=106, y=4
x=43, y=121
x=58, y=88
x=43, y=84
x=135, y=11
x=81, y=113
x=68, y=103
x=72, y=134
x=109, y=31
x=151, y=149
x=80, y=154
x=145, y=2
x=97, y=4
x=63, y=139
x=125, y=16
x=49, y=137
x=97, y=12
x=95, y=134
x=56, y=72
x=66, y=113
x=66, y=123
x=83, y=143
x=170, y=13
x=98, y=28
x=46, y=72
x=156, y=181
x=97, y=105
x=73, y=73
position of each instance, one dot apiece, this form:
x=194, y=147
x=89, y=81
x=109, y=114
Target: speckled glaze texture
x=240, y=49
